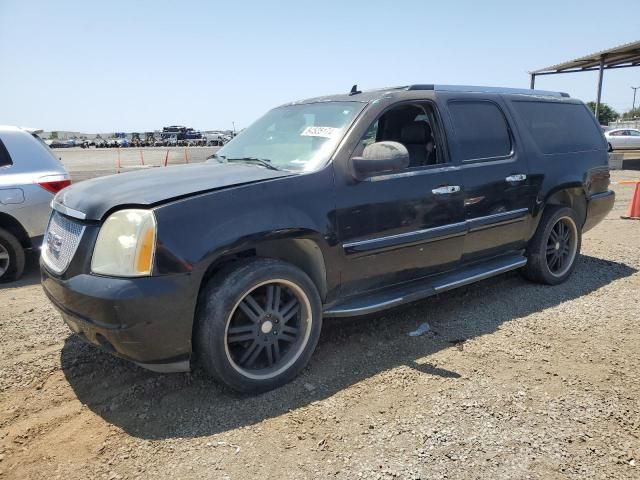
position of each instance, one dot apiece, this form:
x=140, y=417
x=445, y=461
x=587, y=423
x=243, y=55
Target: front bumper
x=145, y=320
x=599, y=206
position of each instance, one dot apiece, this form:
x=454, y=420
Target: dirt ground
x=514, y=381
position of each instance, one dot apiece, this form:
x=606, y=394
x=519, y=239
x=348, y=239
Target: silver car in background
x=623, y=138
x=30, y=176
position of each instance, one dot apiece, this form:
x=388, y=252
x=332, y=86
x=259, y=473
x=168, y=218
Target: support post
x=533, y=81
x=599, y=96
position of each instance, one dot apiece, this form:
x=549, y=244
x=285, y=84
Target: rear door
x=498, y=195
x=634, y=138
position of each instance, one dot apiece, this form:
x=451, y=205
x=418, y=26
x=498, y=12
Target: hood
x=92, y=199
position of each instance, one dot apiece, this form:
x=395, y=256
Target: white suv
x=30, y=175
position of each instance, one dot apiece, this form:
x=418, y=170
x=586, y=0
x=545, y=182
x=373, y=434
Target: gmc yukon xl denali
x=334, y=206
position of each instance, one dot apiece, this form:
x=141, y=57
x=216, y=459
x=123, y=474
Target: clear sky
x=141, y=65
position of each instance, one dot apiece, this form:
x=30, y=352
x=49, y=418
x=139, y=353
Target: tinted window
x=5, y=159
x=560, y=127
x=481, y=130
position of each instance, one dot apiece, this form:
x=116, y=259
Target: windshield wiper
x=265, y=162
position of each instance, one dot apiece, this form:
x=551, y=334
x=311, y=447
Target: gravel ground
x=513, y=381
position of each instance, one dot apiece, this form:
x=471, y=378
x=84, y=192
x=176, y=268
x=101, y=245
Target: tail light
x=54, y=184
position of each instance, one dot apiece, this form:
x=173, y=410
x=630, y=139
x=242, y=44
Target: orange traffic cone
x=634, y=206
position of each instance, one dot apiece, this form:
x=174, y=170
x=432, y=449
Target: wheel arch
x=14, y=227
x=304, y=253
x=570, y=196
x=301, y=251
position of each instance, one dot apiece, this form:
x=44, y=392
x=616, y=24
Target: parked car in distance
x=30, y=175
x=56, y=143
x=329, y=207
x=117, y=143
x=623, y=139
x=216, y=139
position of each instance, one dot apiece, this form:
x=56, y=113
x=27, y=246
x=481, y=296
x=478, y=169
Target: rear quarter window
x=5, y=159
x=560, y=127
x=46, y=148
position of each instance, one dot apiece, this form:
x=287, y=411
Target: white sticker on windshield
x=325, y=132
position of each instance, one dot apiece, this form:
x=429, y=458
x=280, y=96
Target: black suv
x=334, y=206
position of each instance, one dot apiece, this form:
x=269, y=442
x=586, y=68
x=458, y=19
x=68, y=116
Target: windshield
x=295, y=137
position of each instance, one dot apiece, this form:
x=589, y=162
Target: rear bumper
x=599, y=206
x=145, y=320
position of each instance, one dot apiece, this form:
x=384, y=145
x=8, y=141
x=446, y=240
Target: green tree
x=631, y=114
x=54, y=135
x=606, y=113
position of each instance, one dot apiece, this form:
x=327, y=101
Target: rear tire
x=554, y=249
x=258, y=323
x=12, y=257
x=609, y=147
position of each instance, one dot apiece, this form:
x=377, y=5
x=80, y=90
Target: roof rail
x=477, y=89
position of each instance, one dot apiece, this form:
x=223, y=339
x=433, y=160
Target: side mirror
x=381, y=157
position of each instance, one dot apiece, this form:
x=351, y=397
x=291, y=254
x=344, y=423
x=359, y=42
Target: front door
x=399, y=227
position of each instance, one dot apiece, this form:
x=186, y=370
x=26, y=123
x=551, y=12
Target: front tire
x=258, y=323
x=554, y=249
x=12, y=257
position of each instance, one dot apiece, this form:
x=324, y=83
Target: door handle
x=445, y=190
x=518, y=177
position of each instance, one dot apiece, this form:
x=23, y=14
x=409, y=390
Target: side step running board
x=423, y=288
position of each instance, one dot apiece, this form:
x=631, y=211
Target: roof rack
x=477, y=89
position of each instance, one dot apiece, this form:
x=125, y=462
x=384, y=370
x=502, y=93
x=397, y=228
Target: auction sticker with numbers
x=326, y=132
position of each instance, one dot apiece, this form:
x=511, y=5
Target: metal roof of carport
x=623, y=56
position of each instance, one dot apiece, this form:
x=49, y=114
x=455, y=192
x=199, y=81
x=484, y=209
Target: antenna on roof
x=354, y=90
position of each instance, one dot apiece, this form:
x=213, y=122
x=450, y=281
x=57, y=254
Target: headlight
x=126, y=244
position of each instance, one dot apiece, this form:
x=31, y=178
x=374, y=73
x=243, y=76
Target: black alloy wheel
x=268, y=329
x=257, y=324
x=561, y=246
x=554, y=248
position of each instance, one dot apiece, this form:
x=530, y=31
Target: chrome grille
x=61, y=242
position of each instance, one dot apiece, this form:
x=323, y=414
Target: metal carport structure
x=623, y=56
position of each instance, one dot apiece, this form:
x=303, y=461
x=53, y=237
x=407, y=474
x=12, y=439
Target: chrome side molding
x=435, y=233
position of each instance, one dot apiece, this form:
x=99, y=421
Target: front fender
x=194, y=232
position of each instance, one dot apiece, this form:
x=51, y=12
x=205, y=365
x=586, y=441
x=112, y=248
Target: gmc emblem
x=54, y=244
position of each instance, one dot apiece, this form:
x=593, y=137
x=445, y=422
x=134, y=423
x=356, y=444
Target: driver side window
x=412, y=125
